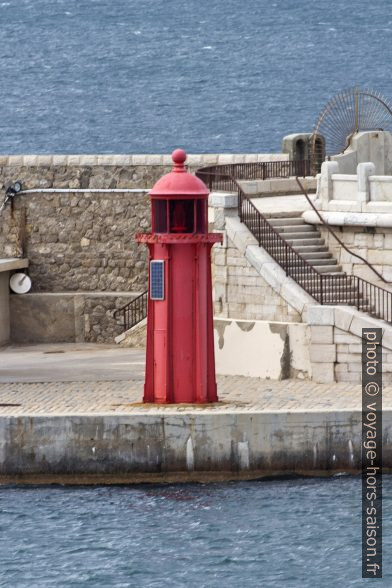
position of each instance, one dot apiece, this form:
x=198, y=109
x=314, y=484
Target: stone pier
x=91, y=426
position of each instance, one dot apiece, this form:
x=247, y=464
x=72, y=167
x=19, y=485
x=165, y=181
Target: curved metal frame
x=344, y=113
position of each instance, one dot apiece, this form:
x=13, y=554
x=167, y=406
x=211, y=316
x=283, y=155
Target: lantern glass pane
x=159, y=216
x=181, y=216
x=200, y=216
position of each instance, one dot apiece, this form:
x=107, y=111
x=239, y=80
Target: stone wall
x=240, y=292
x=79, y=241
x=261, y=349
x=230, y=441
x=373, y=244
x=66, y=317
x=375, y=146
x=262, y=287
x=348, y=366
x=80, y=245
x=4, y=308
x=85, y=241
x=358, y=206
x=258, y=349
x=336, y=344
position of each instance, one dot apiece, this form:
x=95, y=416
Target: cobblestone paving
x=237, y=394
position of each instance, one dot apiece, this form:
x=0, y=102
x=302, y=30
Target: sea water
x=289, y=533
x=127, y=76
x=146, y=76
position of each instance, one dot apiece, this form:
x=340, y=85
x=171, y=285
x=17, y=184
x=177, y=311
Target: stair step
x=344, y=300
x=310, y=286
x=323, y=261
x=280, y=215
x=312, y=243
x=328, y=269
x=336, y=286
x=332, y=292
x=303, y=249
x=306, y=240
x=351, y=294
x=302, y=235
x=316, y=255
x=295, y=242
x=338, y=299
x=322, y=269
x=276, y=222
x=295, y=229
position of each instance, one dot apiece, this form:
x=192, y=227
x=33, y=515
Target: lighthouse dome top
x=179, y=182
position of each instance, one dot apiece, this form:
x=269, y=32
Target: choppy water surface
x=209, y=75
x=250, y=534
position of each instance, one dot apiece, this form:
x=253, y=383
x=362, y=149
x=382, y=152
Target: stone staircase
x=307, y=241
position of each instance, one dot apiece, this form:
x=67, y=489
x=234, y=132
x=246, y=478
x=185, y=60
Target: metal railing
x=332, y=232
x=326, y=289
x=222, y=177
x=133, y=312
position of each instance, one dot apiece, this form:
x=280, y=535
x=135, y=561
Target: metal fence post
x=286, y=262
x=321, y=290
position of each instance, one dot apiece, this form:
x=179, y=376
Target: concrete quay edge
x=188, y=445
x=198, y=477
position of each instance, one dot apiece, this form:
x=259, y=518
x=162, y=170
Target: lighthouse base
x=180, y=362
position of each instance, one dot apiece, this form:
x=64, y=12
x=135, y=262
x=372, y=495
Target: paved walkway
x=69, y=362
x=289, y=205
x=102, y=379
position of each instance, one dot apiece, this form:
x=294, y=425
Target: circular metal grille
x=348, y=112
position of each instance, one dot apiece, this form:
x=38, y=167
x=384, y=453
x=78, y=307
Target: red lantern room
x=180, y=363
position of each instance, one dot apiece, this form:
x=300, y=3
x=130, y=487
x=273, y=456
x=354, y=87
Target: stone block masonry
x=79, y=242
x=240, y=291
x=66, y=317
x=85, y=241
x=261, y=286
x=336, y=344
x=82, y=243
x=373, y=244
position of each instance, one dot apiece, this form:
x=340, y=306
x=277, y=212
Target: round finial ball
x=179, y=156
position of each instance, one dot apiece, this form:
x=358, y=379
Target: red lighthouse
x=180, y=364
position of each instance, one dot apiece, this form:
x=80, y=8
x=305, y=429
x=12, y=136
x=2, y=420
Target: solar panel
x=157, y=281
